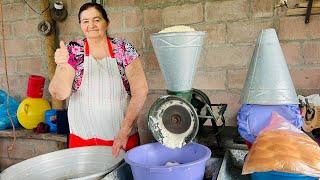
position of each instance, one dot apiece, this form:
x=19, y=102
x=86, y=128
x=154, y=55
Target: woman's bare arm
x=61, y=83
x=139, y=91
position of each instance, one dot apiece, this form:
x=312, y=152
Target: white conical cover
x=268, y=79
x=178, y=55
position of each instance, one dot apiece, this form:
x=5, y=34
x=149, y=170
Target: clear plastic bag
x=284, y=148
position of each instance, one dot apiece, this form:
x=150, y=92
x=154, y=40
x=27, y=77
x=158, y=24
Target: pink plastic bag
x=284, y=148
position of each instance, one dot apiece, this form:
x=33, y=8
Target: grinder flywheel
x=173, y=121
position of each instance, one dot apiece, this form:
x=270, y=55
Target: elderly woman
x=105, y=81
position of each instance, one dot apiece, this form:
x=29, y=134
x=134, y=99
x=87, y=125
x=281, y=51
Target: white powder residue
x=177, y=29
x=169, y=164
x=172, y=140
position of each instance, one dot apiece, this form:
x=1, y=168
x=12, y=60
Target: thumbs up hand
x=61, y=55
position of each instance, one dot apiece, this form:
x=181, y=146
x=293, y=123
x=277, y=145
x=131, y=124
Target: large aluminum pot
x=91, y=162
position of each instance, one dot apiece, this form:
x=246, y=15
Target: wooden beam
x=305, y=4
x=50, y=47
x=301, y=11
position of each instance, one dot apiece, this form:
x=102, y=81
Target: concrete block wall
x=23, y=46
x=232, y=27
x=24, y=149
x=27, y=145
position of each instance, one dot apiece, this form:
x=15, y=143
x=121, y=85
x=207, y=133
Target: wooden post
x=50, y=48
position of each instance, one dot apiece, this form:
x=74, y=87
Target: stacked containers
x=31, y=110
x=268, y=88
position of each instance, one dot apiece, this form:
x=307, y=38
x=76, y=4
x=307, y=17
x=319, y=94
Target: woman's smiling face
x=92, y=23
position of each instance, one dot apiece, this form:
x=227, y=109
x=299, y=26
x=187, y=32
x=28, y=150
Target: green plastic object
x=186, y=95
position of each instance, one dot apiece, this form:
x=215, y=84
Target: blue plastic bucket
x=149, y=162
x=279, y=176
x=51, y=120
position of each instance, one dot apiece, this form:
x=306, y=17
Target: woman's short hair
x=97, y=6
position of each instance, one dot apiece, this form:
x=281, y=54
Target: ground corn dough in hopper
x=177, y=29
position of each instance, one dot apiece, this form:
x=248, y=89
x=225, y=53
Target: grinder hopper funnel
x=178, y=55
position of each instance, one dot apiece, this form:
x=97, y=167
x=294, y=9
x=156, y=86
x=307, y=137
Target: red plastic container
x=35, y=86
x=248, y=144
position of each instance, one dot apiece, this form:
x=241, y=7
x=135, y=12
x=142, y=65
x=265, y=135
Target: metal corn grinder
x=175, y=119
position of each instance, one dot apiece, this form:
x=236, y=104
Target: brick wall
x=231, y=25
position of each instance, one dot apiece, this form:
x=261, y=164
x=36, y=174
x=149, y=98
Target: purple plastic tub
x=148, y=162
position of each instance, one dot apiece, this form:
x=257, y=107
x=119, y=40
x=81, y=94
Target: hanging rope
x=35, y=10
x=11, y=146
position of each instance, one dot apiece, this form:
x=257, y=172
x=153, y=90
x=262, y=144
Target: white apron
x=97, y=108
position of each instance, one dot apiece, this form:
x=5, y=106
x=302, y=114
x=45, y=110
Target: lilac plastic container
x=148, y=162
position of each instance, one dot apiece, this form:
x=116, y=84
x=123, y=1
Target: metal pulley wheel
x=58, y=12
x=45, y=28
x=199, y=101
x=173, y=121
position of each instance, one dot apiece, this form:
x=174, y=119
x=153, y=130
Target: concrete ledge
x=29, y=134
x=27, y=145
